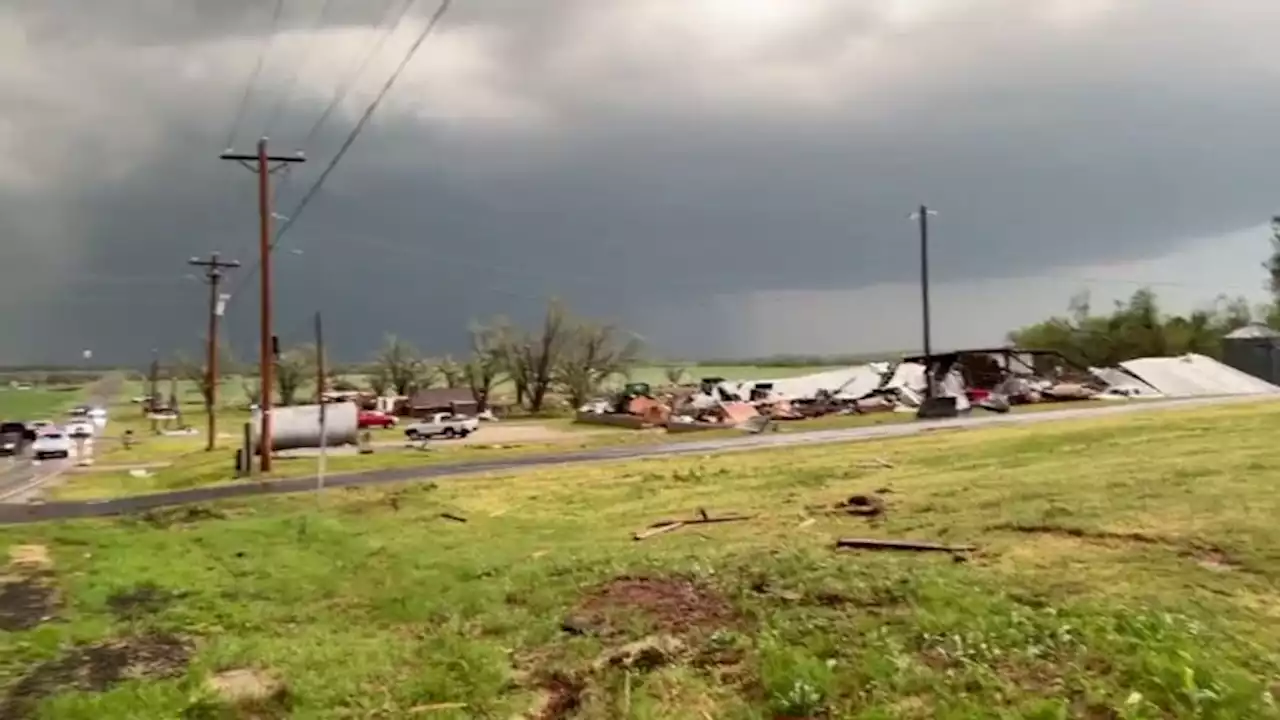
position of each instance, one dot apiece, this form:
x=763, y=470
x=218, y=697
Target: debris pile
x=994, y=380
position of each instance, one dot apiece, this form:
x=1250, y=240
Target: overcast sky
x=724, y=176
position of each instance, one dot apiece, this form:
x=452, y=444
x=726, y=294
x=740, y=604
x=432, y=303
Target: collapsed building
x=994, y=379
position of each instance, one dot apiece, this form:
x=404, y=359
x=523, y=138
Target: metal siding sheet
x=1196, y=376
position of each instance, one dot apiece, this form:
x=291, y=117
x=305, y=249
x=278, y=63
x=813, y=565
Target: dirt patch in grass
x=185, y=515
x=27, y=601
x=671, y=605
x=140, y=601
x=1206, y=554
x=559, y=698
x=97, y=668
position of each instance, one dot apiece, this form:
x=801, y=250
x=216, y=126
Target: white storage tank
x=298, y=426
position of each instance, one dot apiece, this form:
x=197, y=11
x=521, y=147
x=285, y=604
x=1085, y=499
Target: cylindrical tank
x=298, y=426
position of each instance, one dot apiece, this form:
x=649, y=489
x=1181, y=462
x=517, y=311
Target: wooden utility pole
x=213, y=273
x=264, y=164
x=324, y=428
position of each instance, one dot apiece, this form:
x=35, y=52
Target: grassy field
x=1124, y=568
x=36, y=404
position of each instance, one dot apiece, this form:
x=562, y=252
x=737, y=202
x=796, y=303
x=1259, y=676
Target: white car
x=79, y=428
x=442, y=425
x=51, y=445
x=39, y=426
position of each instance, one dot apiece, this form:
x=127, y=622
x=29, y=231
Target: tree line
x=562, y=356
x=1139, y=327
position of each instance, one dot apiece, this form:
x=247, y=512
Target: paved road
x=25, y=474
x=14, y=513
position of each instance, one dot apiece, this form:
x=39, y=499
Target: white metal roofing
x=1123, y=381
x=856, y=381
x=1252, y=331
x=1196, y=376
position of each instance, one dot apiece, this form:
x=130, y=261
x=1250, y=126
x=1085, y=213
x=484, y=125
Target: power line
x=285, y=96
x=351, y=138
x=364, y=120
x=253, y=77
x=345, y=86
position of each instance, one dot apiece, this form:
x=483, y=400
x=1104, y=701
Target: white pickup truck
x=442, y=425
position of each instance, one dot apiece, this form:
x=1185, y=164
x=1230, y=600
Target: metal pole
x=924, y=300
x=324, y=433
x=265, y=359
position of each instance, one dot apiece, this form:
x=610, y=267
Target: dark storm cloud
x=640, y=199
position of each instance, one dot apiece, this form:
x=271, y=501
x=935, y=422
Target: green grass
x=37, y=403
x=1126, y=568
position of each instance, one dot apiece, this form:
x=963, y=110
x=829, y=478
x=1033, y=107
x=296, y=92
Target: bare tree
x=379, y=381
x=488, y=360
x=402, y=366
x=451, y=372
x=533, y=358
x=295, y=369
x=592, y=354
x=252, y=390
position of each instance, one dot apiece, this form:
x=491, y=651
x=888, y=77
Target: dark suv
x=13, y=438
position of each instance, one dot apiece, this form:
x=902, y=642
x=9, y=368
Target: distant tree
x=532, y=358
x=295, y=369
x=451, y=372
x=1136, y=328
x=488, y=361
x=379, y=381
x=402, y=366
x=342, y=384
x=591, y=354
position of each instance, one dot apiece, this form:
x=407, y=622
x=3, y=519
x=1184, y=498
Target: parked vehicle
x=13, y=437
x=375, y=419
x=35, y=427
x=442, y=425
x=51, y=445
x=81, y=428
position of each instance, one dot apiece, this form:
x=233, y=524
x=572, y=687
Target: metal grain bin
x=1254, y=349
x=298, y=426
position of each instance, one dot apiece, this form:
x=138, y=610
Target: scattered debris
x=666, y=526
x=642, y=655
x=436, y=707
x=865, y=505
x=806, y=523
x=249, y=693
x=451, y=516
x=912, y=545
x=97, y=668
x=876, y=462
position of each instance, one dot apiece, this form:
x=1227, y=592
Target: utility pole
x=154, y=390
x=213, y=273
x=922, y=215
x=324, y=428
x=264, y=164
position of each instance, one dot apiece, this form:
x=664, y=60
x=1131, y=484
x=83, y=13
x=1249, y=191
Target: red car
x=375, y=419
